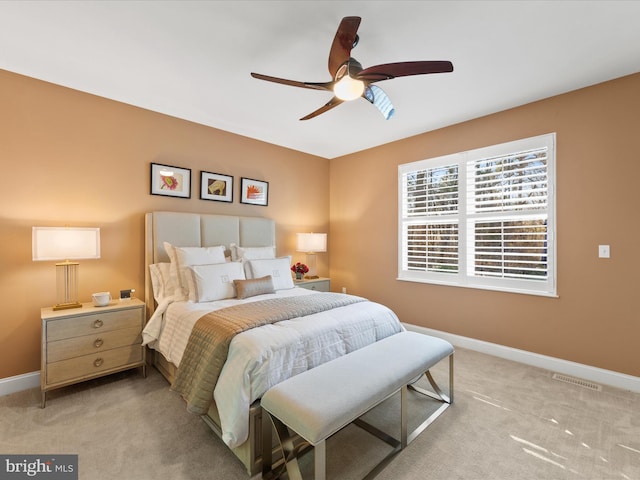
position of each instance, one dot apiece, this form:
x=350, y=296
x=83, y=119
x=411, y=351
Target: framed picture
x=254, y=192
x=170, y=181
x=215, y=186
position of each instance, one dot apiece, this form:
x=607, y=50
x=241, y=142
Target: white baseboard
x=19, y=382
x=578, y=370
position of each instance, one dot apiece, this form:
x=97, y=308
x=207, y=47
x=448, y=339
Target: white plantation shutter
x=430, y=206
x=513, y=182
x=432, y=247
x=510, y=249
x=483, y=218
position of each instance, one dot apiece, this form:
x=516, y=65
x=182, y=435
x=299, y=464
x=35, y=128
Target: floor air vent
x=577, y=381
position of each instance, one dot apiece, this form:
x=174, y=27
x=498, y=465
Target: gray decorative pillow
x=254, y=286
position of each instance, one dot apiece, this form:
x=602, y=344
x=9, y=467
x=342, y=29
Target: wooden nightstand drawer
x=318, y=284
x=87, y=366
x=88, y=344
x=93, y=323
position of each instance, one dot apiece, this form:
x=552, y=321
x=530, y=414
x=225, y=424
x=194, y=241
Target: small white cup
x=101, y=299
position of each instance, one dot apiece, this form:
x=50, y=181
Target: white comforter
x=264, y=356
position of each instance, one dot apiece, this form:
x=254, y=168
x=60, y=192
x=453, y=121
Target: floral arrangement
x=299, y=268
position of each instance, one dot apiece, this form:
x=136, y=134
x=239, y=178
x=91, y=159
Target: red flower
x=299, y=268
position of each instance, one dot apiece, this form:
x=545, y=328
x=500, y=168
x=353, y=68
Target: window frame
x=464, y=219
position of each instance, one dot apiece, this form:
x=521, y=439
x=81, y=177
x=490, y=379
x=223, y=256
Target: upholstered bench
x=319, y=402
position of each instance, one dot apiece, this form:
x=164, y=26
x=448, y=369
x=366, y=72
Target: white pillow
x=171, y=252
x=160, y=274
x=214, y=282
x=251, y=253
x=278, y=268
x=183, y=257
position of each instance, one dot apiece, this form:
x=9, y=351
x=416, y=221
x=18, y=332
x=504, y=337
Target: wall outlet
x=604, y=251
x=344, y=289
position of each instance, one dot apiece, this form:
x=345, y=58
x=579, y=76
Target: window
x=483, y=218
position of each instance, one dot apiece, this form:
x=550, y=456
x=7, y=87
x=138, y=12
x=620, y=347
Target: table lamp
x=66, y=243
x=311, y=243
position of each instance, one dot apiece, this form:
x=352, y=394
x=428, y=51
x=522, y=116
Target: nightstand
x=89, y=342
x=320, y=284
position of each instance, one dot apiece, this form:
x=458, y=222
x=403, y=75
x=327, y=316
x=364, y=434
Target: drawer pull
x=97, y=362
x=98, y=323
x=98, y=343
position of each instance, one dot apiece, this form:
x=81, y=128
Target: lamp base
x=311, y=263
x=67, y=281
x=65, y=306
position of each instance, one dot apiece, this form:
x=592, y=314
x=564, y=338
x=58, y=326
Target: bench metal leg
x=403, y=417
x=439, y=395
x=451, y=378
x=290, y=451
x=320, y=461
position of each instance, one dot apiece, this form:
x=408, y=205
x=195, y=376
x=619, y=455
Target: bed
x=243, y=249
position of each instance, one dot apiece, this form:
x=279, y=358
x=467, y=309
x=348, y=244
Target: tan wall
x=595, y=320
x=75, y=159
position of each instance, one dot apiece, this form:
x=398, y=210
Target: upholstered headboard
x=200, y=230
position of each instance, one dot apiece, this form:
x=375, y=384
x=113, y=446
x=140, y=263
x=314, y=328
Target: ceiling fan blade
x=380, y=99
x=334, y=102
x=388, y=71
x=294, y=83
x=343, y=42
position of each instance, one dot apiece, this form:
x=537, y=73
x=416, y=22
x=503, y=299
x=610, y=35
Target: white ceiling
x=192, y=59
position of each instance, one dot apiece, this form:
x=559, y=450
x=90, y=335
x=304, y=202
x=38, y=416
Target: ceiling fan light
x=348, y=88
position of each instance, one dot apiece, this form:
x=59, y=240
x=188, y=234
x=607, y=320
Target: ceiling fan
x=351, y=81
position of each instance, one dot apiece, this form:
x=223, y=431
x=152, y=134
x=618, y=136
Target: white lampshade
x=312, y=242
x=65, y=243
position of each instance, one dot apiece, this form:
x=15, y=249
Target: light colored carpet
x=509, y=421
